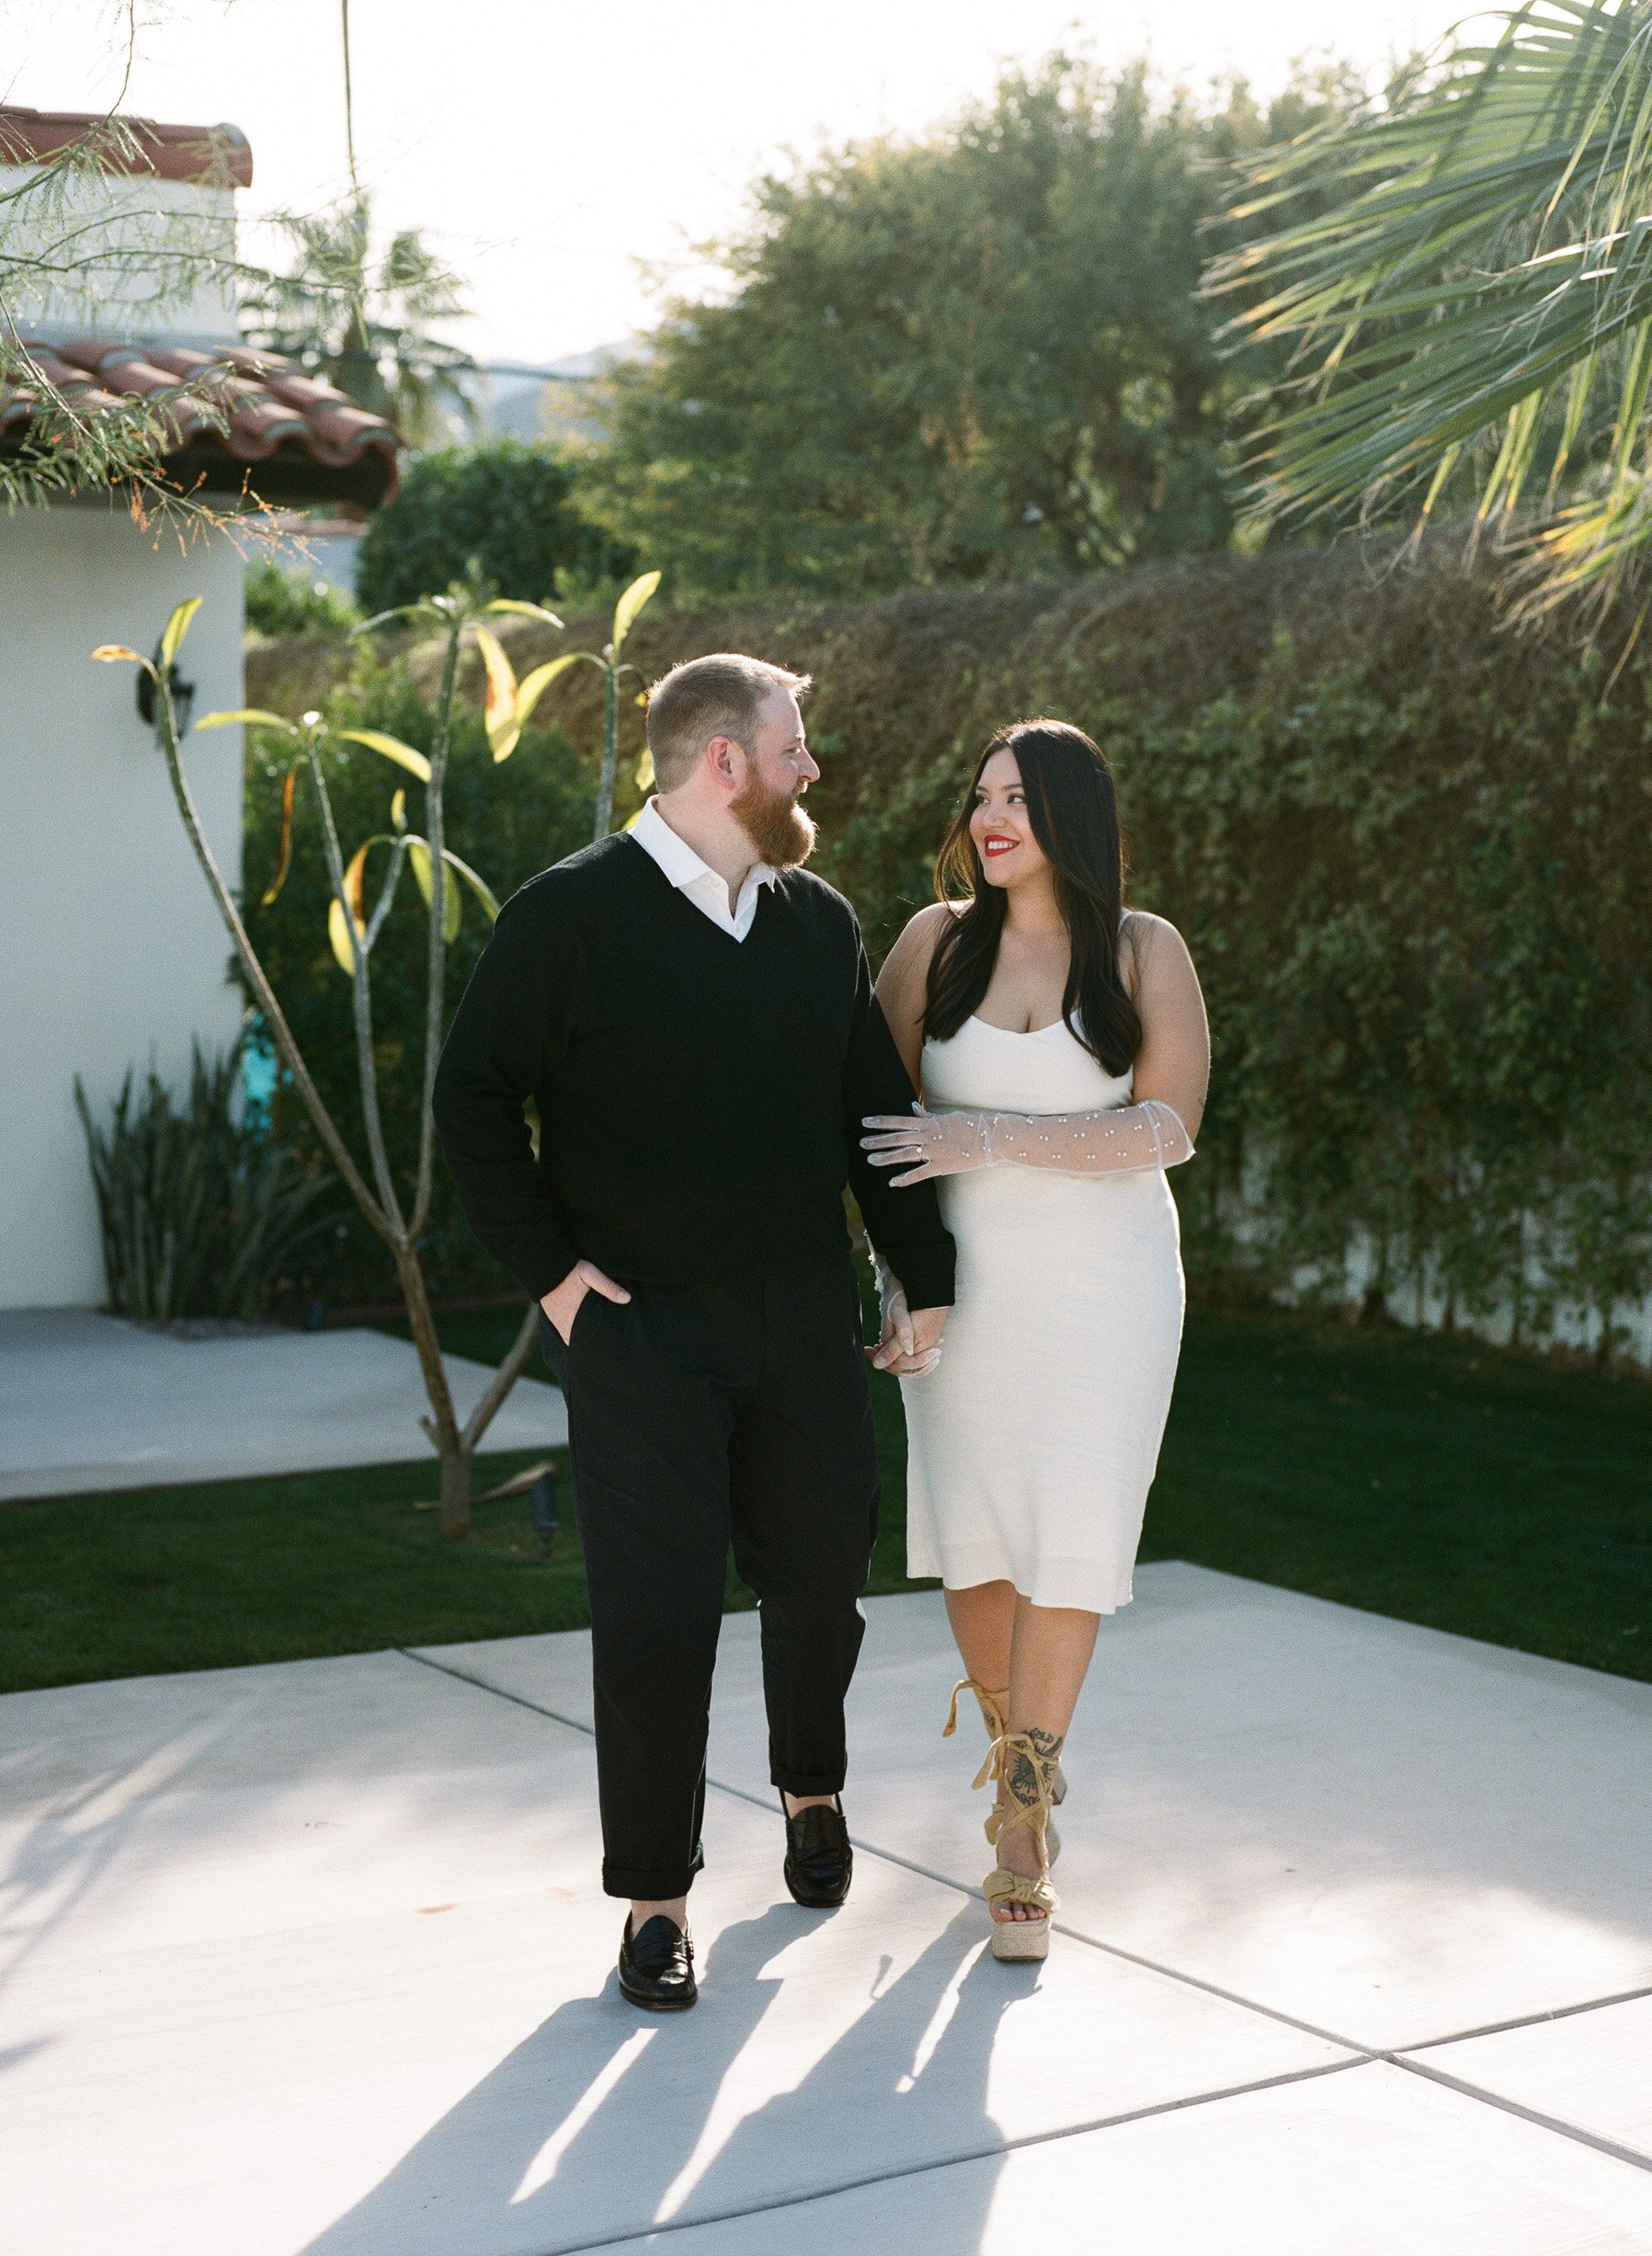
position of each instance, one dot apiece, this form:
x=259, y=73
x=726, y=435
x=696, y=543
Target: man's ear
x=725, y=761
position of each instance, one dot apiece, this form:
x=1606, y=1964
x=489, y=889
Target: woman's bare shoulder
x=935, y=916
x=922, y=934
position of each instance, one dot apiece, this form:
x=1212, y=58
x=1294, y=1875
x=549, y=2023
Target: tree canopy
x=979, y=353
x=506, y=506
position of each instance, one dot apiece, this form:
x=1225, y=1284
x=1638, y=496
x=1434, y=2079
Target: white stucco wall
x=121, y=256
x=111, y=950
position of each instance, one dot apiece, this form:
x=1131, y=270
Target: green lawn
x=1442, y=1482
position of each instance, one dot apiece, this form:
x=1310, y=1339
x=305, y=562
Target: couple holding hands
x=692, y=1015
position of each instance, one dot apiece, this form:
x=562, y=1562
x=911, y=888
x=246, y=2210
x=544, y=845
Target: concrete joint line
x=1174, y=1974
x=1532, y=2021
x=1525, y=2114
x=982, y=2154
x=533, y=1707
x=1362, y=2055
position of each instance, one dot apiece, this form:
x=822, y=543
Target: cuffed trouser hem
x=697, y=1421
x=635, y=1884
x=807, y=1781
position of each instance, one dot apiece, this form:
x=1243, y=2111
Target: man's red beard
x=776, y=825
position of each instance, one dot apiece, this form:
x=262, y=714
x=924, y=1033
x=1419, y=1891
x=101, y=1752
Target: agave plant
x=1469, y=306
x=199, y=1213
x=398, y=1216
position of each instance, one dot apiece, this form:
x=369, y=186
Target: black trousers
x=696, y=1420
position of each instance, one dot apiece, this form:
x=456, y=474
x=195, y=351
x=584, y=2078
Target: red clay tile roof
x=290, y=437
x=219, y=156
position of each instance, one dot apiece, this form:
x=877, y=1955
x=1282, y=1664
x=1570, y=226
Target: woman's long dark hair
x=1073, y=809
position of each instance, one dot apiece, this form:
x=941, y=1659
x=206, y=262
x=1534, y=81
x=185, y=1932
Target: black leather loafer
x=819, y=1861
x=656, y=1966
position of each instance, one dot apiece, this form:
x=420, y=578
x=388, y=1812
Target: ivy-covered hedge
x=1409, y=850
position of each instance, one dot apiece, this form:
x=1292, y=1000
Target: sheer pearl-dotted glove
x=1114, y=1142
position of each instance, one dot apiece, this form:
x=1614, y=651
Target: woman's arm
x=902, y=988
x=1155, y=1130
x=903, y=984
x=1173, y=1065
x=909, y=1236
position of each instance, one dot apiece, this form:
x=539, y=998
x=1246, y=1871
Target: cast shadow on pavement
x=605, y=2122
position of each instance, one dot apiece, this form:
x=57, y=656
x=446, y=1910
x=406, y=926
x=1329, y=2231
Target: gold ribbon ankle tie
x=990, y=1703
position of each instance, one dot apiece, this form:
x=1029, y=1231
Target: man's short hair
x=706, y=697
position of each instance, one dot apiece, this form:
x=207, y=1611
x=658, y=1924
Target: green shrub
x=279, y=602
x=509, y=509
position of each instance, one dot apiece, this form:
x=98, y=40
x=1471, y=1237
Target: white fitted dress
x=1032, y=1446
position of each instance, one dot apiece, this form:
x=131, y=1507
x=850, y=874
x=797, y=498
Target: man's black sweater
x=700, y=1098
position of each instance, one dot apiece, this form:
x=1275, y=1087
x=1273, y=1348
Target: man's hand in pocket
x=561, y=1303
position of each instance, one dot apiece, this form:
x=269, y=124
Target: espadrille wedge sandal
x=995, y=1708
x=1017, y=1939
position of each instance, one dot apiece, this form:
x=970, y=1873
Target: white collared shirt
x=697, y=879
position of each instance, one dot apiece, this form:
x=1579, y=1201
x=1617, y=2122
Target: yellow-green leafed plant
x=398, y=1216
x=613, y=672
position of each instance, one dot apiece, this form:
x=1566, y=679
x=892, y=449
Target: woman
x=1061, y=1048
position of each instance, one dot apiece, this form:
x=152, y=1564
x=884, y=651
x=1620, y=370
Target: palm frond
x=1472, y=299
x=368, y=324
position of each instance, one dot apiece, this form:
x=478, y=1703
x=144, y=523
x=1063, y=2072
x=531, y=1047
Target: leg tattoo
x=1021, y=1777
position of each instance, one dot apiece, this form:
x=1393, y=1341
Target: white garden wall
x=1423, y=1306
x=147, y=258
x=112, y=951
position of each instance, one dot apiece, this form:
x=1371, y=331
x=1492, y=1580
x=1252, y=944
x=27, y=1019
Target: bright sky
x=555, y=151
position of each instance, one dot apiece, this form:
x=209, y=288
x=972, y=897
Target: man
x=692, y=1015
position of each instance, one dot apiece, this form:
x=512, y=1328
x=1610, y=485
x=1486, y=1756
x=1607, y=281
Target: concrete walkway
x=87, y=1403
x=1355, y=1957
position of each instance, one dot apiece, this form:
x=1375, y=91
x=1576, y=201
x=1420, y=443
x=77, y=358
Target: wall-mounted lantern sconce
x=183, y=696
